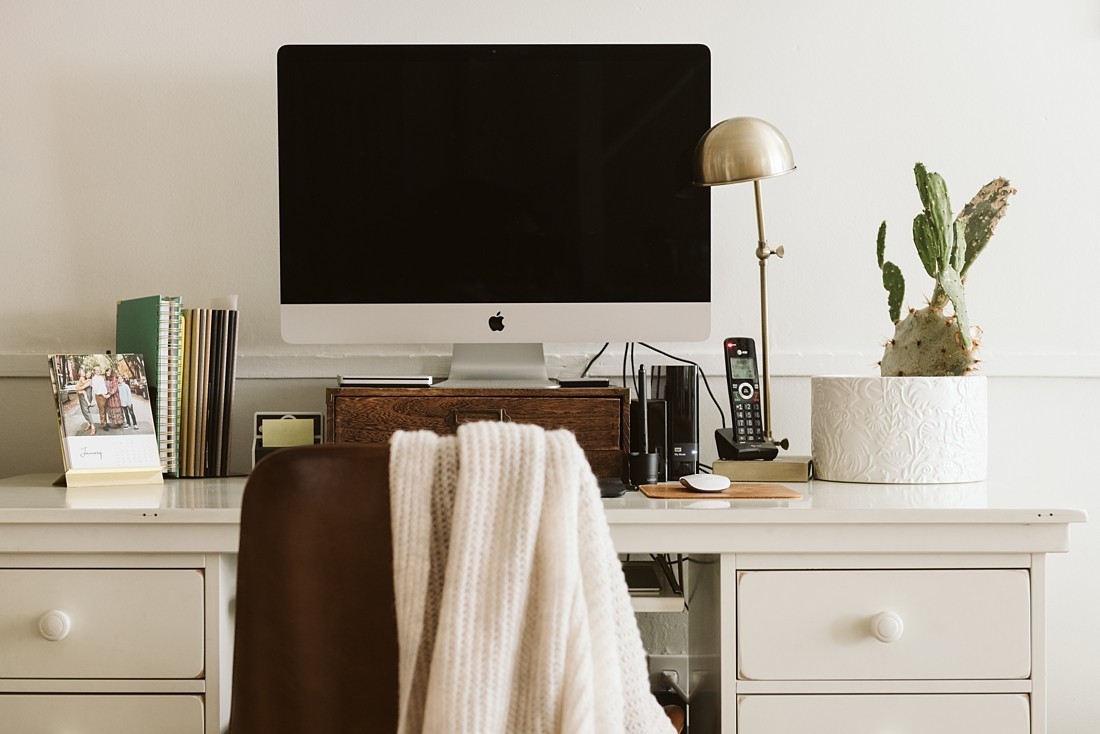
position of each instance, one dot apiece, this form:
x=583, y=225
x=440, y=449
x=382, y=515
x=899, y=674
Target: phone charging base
x=729, y=448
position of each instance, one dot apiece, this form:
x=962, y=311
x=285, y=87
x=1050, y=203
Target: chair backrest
x=316, y=634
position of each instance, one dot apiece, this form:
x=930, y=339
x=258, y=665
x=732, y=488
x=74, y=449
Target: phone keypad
x=747, y=421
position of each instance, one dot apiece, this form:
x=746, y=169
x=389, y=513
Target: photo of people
x=103, y=393
x=105, y=411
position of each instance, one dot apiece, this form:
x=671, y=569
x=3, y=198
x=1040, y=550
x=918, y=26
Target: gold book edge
x=780, y=469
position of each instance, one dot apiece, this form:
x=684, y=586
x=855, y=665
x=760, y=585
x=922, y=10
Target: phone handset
x=745, y=438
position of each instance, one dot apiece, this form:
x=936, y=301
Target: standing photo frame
x=105, y=420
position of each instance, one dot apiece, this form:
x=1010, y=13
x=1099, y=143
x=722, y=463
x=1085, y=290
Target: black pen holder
x=643, y=468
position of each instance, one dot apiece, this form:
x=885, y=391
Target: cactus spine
x=929, y=341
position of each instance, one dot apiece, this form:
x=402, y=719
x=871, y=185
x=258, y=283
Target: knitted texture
x=512, y=611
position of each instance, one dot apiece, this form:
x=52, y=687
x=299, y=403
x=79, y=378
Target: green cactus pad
x=951, y=283
x=981, y=215
x=880, y=244
x=894, y=283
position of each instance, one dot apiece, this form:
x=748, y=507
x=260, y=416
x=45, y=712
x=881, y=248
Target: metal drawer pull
x=54, y=625
x=458, y=417
x=887, y=627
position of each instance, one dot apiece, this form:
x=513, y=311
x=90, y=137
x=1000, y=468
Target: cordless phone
x=745, y=439
x=744, y=388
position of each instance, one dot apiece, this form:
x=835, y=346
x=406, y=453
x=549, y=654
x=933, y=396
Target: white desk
x=783, y=601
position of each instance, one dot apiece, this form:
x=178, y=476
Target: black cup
x=643, y=469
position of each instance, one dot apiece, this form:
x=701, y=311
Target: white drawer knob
x=54, y=625
x=887, y=627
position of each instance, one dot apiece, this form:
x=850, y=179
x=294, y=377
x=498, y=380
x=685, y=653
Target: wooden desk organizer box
x=600, y=417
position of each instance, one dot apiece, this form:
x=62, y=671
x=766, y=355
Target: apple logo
x=496, y=323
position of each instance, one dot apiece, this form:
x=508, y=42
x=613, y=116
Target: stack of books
x=191, y=353
x=209, y=372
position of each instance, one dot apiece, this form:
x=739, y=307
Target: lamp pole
x=763, y=252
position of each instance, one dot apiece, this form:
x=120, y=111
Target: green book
x=150, y=326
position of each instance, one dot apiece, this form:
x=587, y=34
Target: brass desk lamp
x=748, y=149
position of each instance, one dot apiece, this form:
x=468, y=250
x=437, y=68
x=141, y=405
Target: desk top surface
x=203, y=516
x=34, y=498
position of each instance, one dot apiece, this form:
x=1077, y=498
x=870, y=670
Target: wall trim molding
x=784, y=364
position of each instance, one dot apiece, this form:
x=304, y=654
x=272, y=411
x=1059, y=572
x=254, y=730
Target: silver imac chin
x=494, y=346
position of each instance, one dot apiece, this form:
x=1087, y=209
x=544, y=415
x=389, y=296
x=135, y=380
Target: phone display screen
x=742, y=368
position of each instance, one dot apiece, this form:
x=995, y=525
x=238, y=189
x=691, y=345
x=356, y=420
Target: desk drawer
x=874, y=714
x=931, y=624
x=101, y=714
x=120, y=623
x=595, y=416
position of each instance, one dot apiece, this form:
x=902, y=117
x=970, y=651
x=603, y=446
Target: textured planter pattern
x=899, y=430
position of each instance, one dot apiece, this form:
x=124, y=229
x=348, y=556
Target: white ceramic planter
x=899, y=430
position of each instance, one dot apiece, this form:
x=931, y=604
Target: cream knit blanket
x=512, y=611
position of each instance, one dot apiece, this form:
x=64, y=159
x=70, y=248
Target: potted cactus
x=923, y=420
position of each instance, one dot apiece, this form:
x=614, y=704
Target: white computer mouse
x=705, y=482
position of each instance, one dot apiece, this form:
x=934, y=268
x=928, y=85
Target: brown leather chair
x=316, y=632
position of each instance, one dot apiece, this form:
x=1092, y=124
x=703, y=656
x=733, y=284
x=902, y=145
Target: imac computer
x=495, y=197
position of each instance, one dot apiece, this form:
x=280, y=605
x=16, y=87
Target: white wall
x=137, y=155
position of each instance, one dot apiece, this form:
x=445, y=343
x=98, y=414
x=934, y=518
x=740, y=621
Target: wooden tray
x=736, y=491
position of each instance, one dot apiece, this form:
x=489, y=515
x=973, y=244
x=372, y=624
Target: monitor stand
x=498, y=365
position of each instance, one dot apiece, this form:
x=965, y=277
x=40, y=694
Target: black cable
x=633, y=369
x=584, y=372
x=659, y=378
x=665, y=564
x=706, y=383
x=658, y=372
x=689, y=559
x=626, y=350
